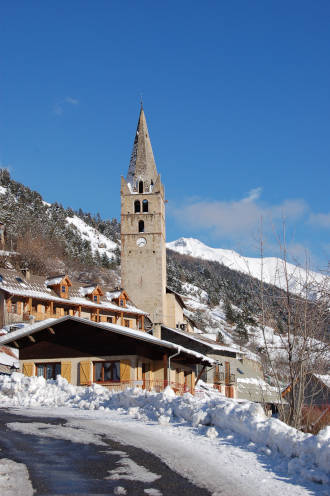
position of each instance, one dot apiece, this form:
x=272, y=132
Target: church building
x=143, y=239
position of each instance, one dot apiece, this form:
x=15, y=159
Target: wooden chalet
x=117, y=357
x=31, y=298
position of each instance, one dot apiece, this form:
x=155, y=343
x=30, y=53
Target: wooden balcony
x=230, y=379
x=222, y=378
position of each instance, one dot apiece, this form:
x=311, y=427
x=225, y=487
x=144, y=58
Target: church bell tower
x=143, y=248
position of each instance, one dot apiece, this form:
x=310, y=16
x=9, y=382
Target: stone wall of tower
x=143, y=269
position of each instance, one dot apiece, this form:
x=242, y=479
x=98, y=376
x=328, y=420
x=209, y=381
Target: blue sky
x=236, y=96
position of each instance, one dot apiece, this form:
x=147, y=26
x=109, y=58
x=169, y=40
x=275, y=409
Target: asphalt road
x=62, y=467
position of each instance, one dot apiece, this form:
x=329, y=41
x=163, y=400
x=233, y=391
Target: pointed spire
x=142, y=165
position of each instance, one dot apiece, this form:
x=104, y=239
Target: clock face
x=141, y=242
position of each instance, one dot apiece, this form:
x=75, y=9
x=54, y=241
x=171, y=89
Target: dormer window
x=63, y=289
x=121, y=302
x=19, y=279
x=95, y=298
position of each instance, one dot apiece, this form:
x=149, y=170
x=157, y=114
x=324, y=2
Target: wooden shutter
x=125, y=370
x=85, y=373
x=28, y=369
x=66, y=370
x=193, y=379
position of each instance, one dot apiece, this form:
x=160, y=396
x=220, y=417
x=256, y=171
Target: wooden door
x=145, y=370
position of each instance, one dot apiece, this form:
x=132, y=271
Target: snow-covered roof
x=52, y=281
x=204, y=341
x=140, y=335
x=13, y=282
x=7, y=357
x=325, y=378
x=86, y=290
x=113, y=294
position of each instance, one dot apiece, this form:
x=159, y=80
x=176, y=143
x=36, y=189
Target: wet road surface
x=62, y=467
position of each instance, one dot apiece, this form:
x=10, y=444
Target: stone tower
x=143, y=250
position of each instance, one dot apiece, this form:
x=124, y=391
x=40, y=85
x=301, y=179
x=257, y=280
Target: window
x=95, y=298
x=141, y=226
x=121, y=302
x=106, y=371
x=126, y=322
x=109, y=319
x=140, y=186
x=14, y=308
x=137, y=206
x=48, y=370
x=145, y=206
x=1, y=278
x=63, y=289
x=19, y=279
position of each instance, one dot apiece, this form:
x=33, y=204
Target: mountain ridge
x=272, y=270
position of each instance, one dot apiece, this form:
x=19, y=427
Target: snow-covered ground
x=272, y=269
x=98, y=241
x=216, y=442
x=14, y=479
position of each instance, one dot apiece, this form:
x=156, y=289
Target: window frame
x=45, y=364
x=103, y=362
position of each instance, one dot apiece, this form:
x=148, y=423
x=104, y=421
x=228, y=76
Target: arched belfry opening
x=141, y=226
x=145, y=206
x=137, y=206
x=140, y=186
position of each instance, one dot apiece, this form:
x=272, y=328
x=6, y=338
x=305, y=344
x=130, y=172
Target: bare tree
x=299, y=345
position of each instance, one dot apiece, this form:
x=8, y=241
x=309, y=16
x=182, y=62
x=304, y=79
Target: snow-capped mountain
x=272, y=270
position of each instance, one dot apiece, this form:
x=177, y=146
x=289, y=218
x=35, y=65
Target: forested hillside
x=46, y=239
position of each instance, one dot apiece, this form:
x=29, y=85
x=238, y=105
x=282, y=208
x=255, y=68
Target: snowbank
x=307, y=454
x=14, y=479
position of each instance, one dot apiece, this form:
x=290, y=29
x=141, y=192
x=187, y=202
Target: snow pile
x=273, y=268
x=14, y=479
x=308, y=455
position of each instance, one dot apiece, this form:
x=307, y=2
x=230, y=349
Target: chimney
x=26, y=273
